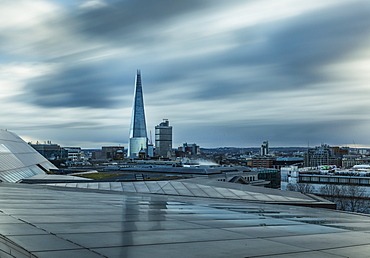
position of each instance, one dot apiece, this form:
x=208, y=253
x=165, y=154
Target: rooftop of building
x=84, y=222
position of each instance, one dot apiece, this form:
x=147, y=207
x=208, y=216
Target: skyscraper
x=265, y=148
x=138, y=141
x=163, y=139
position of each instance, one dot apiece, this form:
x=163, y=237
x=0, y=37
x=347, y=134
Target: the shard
x=138, y=141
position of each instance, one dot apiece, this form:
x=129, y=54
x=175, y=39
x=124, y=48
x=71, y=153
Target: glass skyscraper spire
x=138, y=141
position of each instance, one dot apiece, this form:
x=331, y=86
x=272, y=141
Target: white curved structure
x=18, y=160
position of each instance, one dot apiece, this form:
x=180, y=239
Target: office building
x=271, y=175
x=265, y=148
x=349, y=161
x=323, y=155
x=150, y=150
x=50, y=150
x=113, y=152
x=261, y=162
x=138, y=141
x=74, y=153
x=163, y=139
x=188, y=149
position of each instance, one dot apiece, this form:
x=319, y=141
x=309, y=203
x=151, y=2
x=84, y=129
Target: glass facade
x=163, y=139
x=138, y=137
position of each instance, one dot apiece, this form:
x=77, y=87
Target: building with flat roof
x=324, y=155
x=261, y=162
x=74, y=153
x=113, y=152
x=163, y=139
x=349, y=161
x=187, y=150
x=265, y=148
x=50, y=151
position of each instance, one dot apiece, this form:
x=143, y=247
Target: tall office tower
x=163, y=139
x=265, y=148
x=138, y=142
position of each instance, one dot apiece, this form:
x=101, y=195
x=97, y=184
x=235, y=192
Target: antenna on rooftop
x=150, y=137
x=354, y=144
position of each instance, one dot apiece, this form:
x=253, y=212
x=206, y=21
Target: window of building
x=324, y=179
x=364, y=181
x=354, y=181
x=343, y=180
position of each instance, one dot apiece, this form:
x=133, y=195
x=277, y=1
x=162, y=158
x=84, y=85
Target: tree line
x=352, y=198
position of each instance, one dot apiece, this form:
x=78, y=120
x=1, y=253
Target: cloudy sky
x=225, y=73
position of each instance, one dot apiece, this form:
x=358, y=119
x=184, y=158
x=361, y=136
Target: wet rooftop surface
x=208, y=188
x=49, y=221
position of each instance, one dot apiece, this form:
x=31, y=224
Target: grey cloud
x=300, y=46
x=276, y=56
x=278, y=134
x=82, y=85
x=292, y=55
x=86, y=138
x=137, y=23
x=70, y=125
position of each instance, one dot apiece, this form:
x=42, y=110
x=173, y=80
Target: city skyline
x=233, y=73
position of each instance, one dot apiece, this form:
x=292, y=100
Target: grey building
x=113, y=152
x=74, y=153
x=163, y=139
x=265, y=148
x=138, y=141
x=349, y=161
x=190, y=149
x=322, y=155
x=51, y=151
